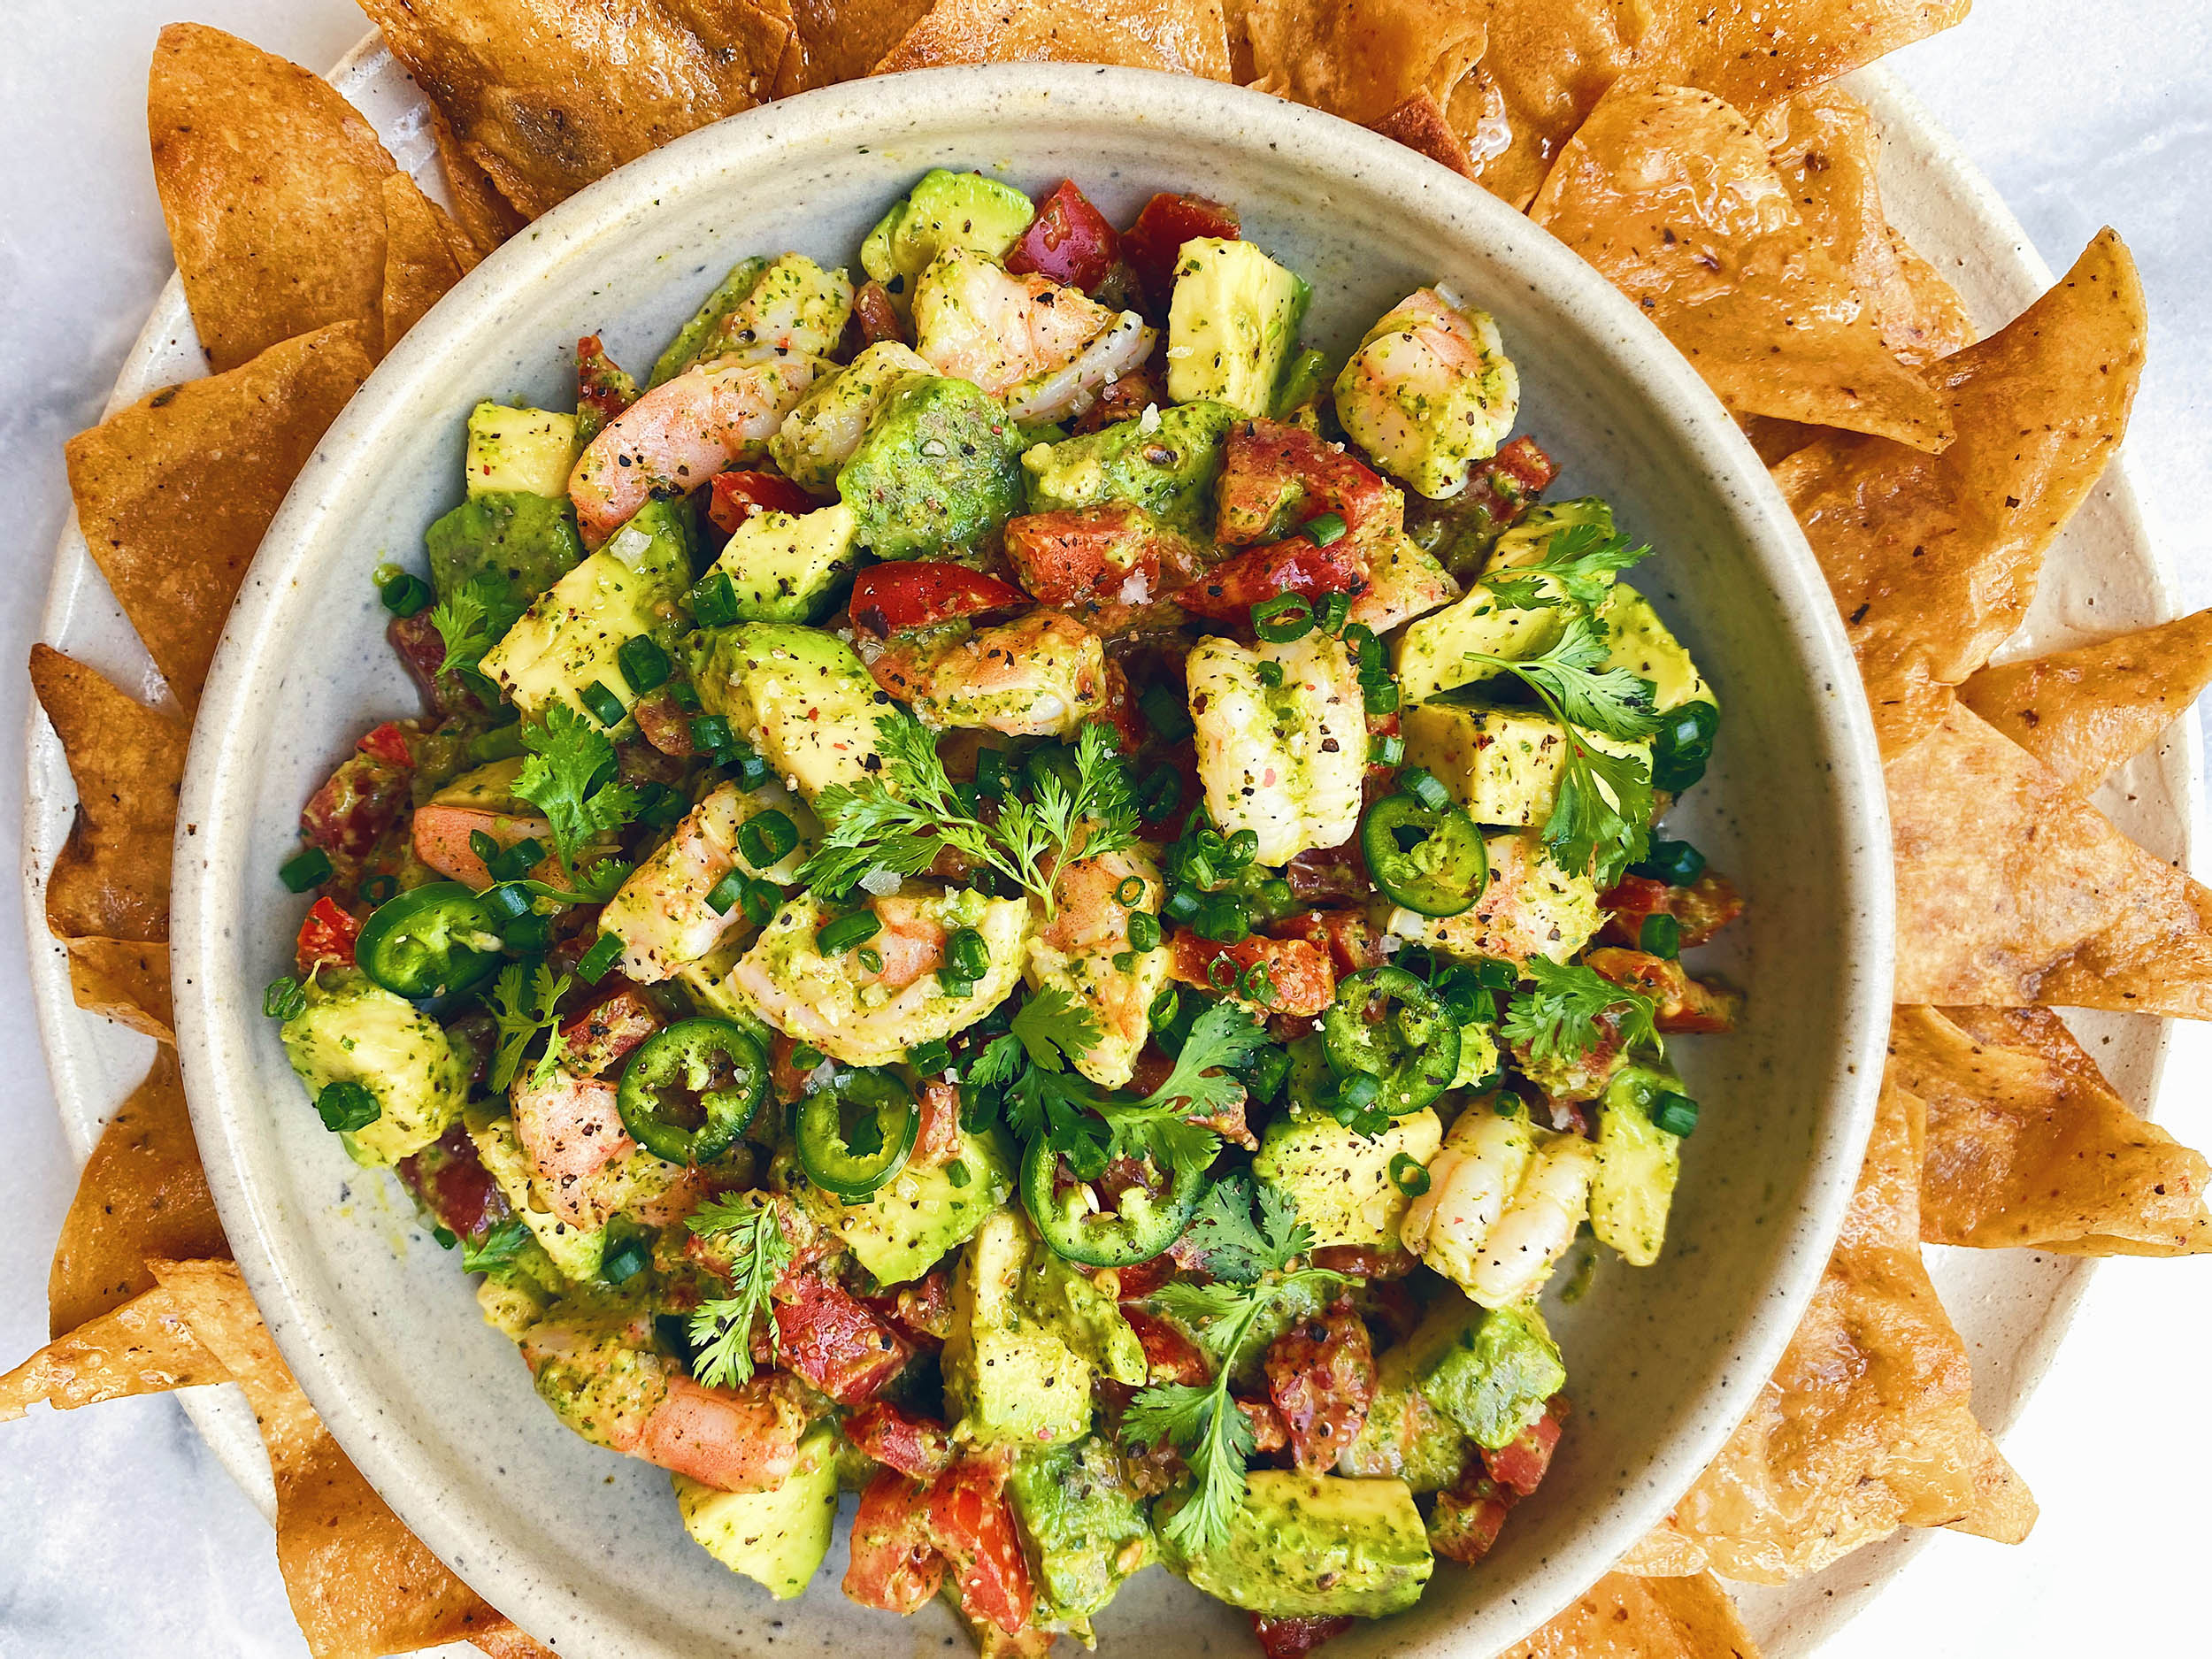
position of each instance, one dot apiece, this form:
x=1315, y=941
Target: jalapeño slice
x=1428, y=859
x=691, y=1089
x=430, y=940
x=1143, y=1223
x=852, y=1162
x=1385, y=1024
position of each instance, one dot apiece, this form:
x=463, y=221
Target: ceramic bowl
x=584, y=1548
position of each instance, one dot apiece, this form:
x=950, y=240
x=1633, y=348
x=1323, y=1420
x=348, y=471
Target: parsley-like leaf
x=1580, y=559
x=569, y=777
x=497, y=1247
x=749, y=1228
x=996, y=1066
x=523, y=1006
x=473, y=618
x=1557, y=1019
x=1229, y=1244
x=1054, y=1028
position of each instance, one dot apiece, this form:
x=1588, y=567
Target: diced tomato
x=1298, y=971
x=1228, y=592
x=663, y=724
x=601, y=385
x=937, y=1142
x=1142, y=1280
x=922, y=1307
x=833, y=1341
x=1122, y=398
x=895, y=1565
x=388, y=743
x=1323, y=873
x=1702, y=909
x=1520, y=1464
x=1469, y=1517
x=913, y=1446
x=1321, y=1375
x=1352, y=942
x=972, y=1524
x=737, y=495
x=875, y=319
x=1270, y=1432
x=608, y=1030
x=1275, y=476
x=1116, y=713
x=1685, y=1004
x=1069, y=241
x=1068, y=557
x=1168, y=221
x=422, y=648
x=1294, y=1638
x=1507, y=484
x=453, y=1184
x=356, y=805
x=1169, y=1355
x=892, y=597
x=1368, y=1262
x=328, y=936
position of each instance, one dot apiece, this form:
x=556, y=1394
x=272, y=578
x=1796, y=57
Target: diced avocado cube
x=1010, y=1374
x=1477, y=1055
x=1490, y=1372
x=515, y=1294
x=796, y=310
x=779, y=1537
x=352, y=1030
x=824, y=428
x=1164, y=461
x=528, y=541
x=1503, y=764
x=1530, y=541
x=945, y=209
x=902, y=1231
x=1337, y=1179
x=800, y=695
x=1232, y=325
x=938, y=471
x=1404, y=1435
x=728, y=294
x=1640, y=642
x=1087, y=1318
x=526, y=450
x=1639, y=1164
x=1083, y=1526
x=784, y=567
x=1433, y=651
x=1314, y=1546
x=573, y=633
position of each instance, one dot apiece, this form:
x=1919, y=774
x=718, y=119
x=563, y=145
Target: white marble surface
x=118, y=1534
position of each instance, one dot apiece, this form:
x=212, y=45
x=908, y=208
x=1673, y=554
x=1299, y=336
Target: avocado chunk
x=1164, y=461
x=1477, y=1055
x=784, y=567
x=944, y=210
x=1082, y=1524
x=1433, y=651
x=1489, y=1370
x=1010, y=1372
x=529, y=450
x=799, y=695
x=573, y=633
x=923, y=1215
x=691, y=339
x=1404, y=1435
x=1642, y=644
x=777, y=1538
x=527, y=541
x=937, y=471
x=823, y=428
x=1503, y=764
x=1639, y=1164
x=1232, y=325
x=352, y=1030
x=1314, y=1546
x=1338, y=1180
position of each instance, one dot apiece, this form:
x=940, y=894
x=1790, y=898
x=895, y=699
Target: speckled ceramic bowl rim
x=216, y=1021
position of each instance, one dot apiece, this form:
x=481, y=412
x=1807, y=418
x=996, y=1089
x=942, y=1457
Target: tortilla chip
x=1361, y=59
x=1828, y=152
x=544, y=97
x=2084, y=711
x=2004, y=1510
x=1623, y=1616
x=1184, y=37
x=425, y=254
x=360, y=1584
x=1932, y=559
x=1670, y=194
x=842, y=40
x=175, y=492
x=2027, y=1144
x=487, y=216
x=272, y=187
x=111, y=880
x=1864, y=1426
x=503, y=1640
x=1420, y=123
x=142, y=1193
x=145, y=1346
x=126, y=980
x=2013, y=891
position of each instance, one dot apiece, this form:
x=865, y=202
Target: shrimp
x=605, y=1380
x=1429, y=390
x=662, y=913
x=795, y=309
x=1504, y=1202
x=1075, y=951
x=443, y=837
x=1531, y=908
x=820, y=433
x=974, y=322
x=1041, y=675
x=1284, y=761
x=681, y=434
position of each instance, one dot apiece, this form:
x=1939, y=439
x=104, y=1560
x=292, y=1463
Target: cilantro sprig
x=1557, y=1019
x=472, y=619
x=1580, y=558
x=749, y=1227
x=569, y=776
x=525, y=1005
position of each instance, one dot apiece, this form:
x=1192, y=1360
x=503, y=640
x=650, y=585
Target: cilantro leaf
x=1557, y=1019
x=996, y=1066
x=1052, y=1024
x=473, y=618
x=523, y=1006
x=569, y=777
x=749, y=1227
x=497, y=1247
x=1227, y=1242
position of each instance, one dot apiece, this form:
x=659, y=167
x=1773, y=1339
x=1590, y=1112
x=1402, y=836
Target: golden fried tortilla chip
x=843, y=40
x=1624, y=1617
x=1420, y=123
x=1864, y=1426
x=542, y=97
x=142, y=1193
x=2013, y=891
x=1932, y=559
x=145, y=1346
x=272, y=187
x=126, y=980
x=1185, y=37
x=2027, y=1144
x=111, y=880
x=1671, y=194
x=487, y=216
x=425, y=254
x=2004, y=1511
x=2082, y=712
x=1361, y=59
x=1828, y=152
x=174, y=493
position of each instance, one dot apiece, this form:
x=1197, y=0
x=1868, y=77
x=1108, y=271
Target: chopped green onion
x=1222, y=920
x=954, y=987
x=1271, y=673
x=726, y=891
x=1144, y=931
x=685, y=696
x=841, y=935
x=446, y=1237
x=1160, y=794
x=376, y=889
x=503, y=903
x=605, y=707
x=1285, y=618
x=1165, y=713
x=761, y=900
x=957, y=1172
x=871, y=959
x=623, y=1261
x=527, y=935
x=512, y=864
x=1334, y=609
x=1324, y=528
x=1256, y=985
x=990, y=774
x=752, y=771
x=1422, y=785
x=1181, y=905
x=709, y=732
x=664, y=807
x=304, y=869
x=1381, y=699
x=930, y=1057
x=405, y=594
x=970, y=957
x=1124, y=960
x=1242, y=848
x=1368, y=648
x=643, y=664
x=1677, y=1114
x=1677, y=863
x=1163, y=1010
x=766, y=837
x=1660, y=935
x=604, y=953
x=714, y=601
x=1221, y=974
x=284, y=998
x=1494, y=973
x=1390, y=749
x=482, y=844
x=1408, y=1175
x=345, y=1106
x=1275, y=898
x=1361, y=1089
x=805, y=1057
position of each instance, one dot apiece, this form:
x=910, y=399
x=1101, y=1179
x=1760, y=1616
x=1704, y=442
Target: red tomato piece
x=972, y=1524
x=360, y=800
x=895, y=1566
x=1468, y=1519
x=1086, y=553
x=937, y=1142
x=1685, y=1004
x=1321, y=1375
x=1352, y=942
x=1143, y=1278
x=1507, y=484
x=1298, y=971
x=1295, y=1638
x=1520, y=1465
x=1116, y=712
x=833, y=1341
x=601, y=385
x=1702, y=909
x=1168, y=221
x=1275, y=476
x=875, y=318
x=1169, y=1355
x=890, y=598
x=922, y=1309
x=327, y=935
x=1322, y=873
x=739, y=495
x=608, y=1030
x=388, y=743
x=1069, y=241
x=1228, y=592
x=1123, y=398
x=454, y=1185
x=913, y=1446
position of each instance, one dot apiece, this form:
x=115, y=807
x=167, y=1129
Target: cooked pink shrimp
x=911, y=941
x=975, y=322
x=571, y=1131
x=1041, y=675
x=1084, y=949
x=609, y=1384
x=681, y=434
x=1429, y=391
